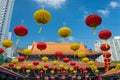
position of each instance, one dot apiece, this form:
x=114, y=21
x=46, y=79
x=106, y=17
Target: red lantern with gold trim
x=11, y=65
x=41, y=45
x=105, y=34
x=107, y=55
x=104, y=47
x=1, y=50
x=21, y=58
x=66, y=60
x=72, y=63
x=107, y=59
x=36, y=63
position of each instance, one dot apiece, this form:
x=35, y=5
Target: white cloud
x=71, y=38
x=104, y=12
x=114, y=4
x=51, y=3
x=86, y=13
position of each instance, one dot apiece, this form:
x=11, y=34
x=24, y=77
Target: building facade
x=114, y=50
x=6, y=8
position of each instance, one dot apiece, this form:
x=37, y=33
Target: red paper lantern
x=36, y=63
x=58, y=54
x=76, y=66
x=11, y=65
x=58, y=69
x=20, y=30
x=1, y=50
x=64, y=72
x=105, y=34
x=104, y=47
x=45, y=66
x=41, y=72
x=21, y=58
x=52, y=68
x=23, y=67
x=93, y=20
x=85, y=71
x=41, y=45
x=33, y=68
x=66, y=60
x=107, y=63
x=80, y=68
x=107, y=55
x=72, y=63
x=107, y=59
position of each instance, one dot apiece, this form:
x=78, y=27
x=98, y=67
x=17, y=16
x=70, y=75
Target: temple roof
x=82, y=64
x=52, y=47
x=111, y=72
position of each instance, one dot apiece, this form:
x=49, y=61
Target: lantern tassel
x=18, y=40
x=40, y=30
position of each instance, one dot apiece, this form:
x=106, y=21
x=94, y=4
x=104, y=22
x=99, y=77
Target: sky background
x=71, y=13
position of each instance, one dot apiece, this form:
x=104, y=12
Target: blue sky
x=69, y=12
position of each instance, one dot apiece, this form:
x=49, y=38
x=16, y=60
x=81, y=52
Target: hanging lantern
x=104, y=47
x=91, y=62
x=41, y=72
x=71, y=69
x=41, y=46
x=11, y=65
x=72, y=63
x=85, y=59
x=28, y=71
x=76, y=67
x=107, y=55
x=45, y=66
x=27, y=52
x=81, y=54
x=105, y=34
x=61, y=66
x=45, y=59
x=1, y=50
x=39, y=67
x=64, y=72
x=14, y=61
x=58, y=69
x=66, y=68
x=64, y=32
x=107, y=59
x=54, y=62
x=29, y=65
x=52, y=68
x=52, y=72
x=23, y=67
x=42, y=17
x=33, y=68
x=74, y=71
x=36, y=63
x=18, y=67
x=58, y=54
x=74, y=47
x=21, y=58
x=66, y=60
x=93, y=21
x=85, y=71
x=7, y=43
x=20, y=31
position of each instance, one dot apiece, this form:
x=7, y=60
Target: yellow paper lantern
x=81, y=54
x=42, y=16
x=74, y=46
x=74, y=71
x=45, y=59
x=28, y=71
x=45, y=69
x=118, y=65
x=71, y=69
x=29, y=65
x=91, y=62
x=54, y=62
x=61, y=66
x=66, y=68
x=64, y=32
x=85, y=59
x=52, y=72
x=39, y=67
x=95, y=68
x=7, y=43
x=18, y=67
x=14, y=61
x=97, y=71
x=27, y=52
